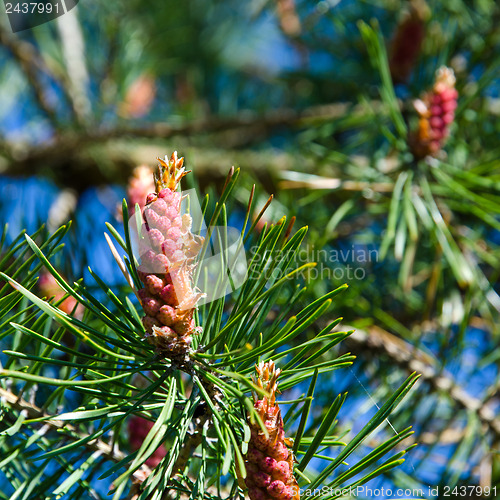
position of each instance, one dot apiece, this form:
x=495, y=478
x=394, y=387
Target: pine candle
x=436, y=112
x=269, y=462
x=168, y=250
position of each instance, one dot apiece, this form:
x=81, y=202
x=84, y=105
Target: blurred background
x=320, y=104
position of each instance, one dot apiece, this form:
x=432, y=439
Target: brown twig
x=31, y=62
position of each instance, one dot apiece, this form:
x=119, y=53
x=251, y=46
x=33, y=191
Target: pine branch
x=412, y=360
x=24, y=54
x=33, y=412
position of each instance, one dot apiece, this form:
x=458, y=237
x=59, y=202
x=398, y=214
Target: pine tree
x=375, y=124
x=183, y=389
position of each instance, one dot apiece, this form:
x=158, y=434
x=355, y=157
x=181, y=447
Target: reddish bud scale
x=138, y=429
x=166, y=265
x=436, y=113
x=268, y=462
x=407, y=42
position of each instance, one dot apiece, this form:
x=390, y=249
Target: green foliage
x=326, y=132
x=85, y=377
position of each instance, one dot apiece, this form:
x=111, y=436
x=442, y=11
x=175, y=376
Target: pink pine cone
x=269, y=463
x=168, y=326
x=436, y=113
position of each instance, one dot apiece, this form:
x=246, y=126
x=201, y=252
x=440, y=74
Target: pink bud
x=168, y=294
x=151, y=306
x=147, y=259
x=276, y=488
x=436, y=110
x=150, y=217
x=154, y=284
x=436, y=122
x=166, y=315
x=155, y=238
x=177, y=222
x=436, y=100
x=165, y=193
x=261, y=479
x=159, y=206
x=161, y=263
x=174, y=233
x=268, y=464
x=254, y=455
x=151, y=197
x=282, y=471
x=449, y=94
x=449, y=106
x=280, y=451
x=171, y=212
x=448, y=118
x=163, y=224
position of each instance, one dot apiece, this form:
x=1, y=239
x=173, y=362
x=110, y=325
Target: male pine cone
x=436, y=112
x=167, y=251
x=269, y=462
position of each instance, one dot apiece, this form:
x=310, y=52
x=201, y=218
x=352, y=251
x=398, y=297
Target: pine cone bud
x=407, y=41
x=139, y=185
x=268, y=462
x=167, y=251
x=436, y=112
x=138, y=429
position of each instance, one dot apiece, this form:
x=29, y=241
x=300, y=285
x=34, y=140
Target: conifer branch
x=412, y=360
x=97, y=445
x=31, y=63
